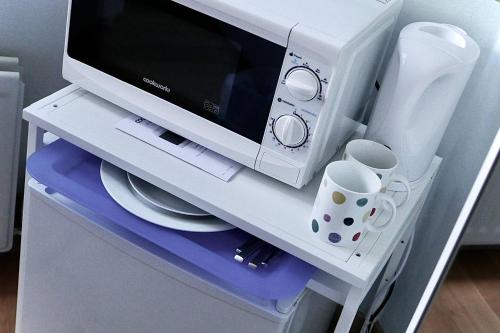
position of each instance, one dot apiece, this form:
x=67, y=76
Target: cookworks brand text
x=156, y=85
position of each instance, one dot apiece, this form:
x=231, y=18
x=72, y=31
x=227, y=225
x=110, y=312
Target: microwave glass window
x=199, y=63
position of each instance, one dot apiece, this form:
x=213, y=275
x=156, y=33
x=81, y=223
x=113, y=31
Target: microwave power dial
x=290, y=130
x=302, y=83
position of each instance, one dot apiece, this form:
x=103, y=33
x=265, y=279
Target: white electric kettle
x=420, y=90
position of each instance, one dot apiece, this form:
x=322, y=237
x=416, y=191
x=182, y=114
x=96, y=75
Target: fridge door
x=81, y=272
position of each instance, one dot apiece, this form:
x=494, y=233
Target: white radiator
x=11, y=97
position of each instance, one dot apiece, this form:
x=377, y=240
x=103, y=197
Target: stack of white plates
x=156, y=205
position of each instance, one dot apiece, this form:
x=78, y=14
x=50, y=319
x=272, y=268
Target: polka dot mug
x=380, y=160
x=345, y=204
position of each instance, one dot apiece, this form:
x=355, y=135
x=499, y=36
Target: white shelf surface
x=260, y=205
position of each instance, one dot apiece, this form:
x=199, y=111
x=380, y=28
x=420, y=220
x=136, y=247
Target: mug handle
x=390, y=201
x=402, y=179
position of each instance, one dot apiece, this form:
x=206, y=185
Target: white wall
x=33, y=30
x=464, y=147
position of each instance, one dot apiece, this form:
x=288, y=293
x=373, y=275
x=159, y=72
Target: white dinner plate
x=116, y=182
x=163, y=200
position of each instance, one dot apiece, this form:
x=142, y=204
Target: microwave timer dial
x=302, y=83
x=290, y=130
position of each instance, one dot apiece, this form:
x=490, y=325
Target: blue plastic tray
x=74, y=173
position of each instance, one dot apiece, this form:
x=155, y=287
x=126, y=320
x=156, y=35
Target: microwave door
x=207, y=67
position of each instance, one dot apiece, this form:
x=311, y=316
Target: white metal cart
x=268, y=209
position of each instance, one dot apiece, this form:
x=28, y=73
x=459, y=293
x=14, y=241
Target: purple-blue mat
x=74, y=173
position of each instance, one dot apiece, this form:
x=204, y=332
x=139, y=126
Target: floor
x=9, y=267
x=468, y=302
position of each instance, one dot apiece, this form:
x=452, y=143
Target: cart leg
x=351, y=306
x=35, y=138
x=35, y=141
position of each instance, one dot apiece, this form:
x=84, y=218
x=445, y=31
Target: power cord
x=373, y=314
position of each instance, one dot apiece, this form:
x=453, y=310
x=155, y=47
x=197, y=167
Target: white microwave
x=275, y=85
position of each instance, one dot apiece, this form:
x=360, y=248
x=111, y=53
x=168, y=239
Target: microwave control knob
x=302, y=83
x=290, y=130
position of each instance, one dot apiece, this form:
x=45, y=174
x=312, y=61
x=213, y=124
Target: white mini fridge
x=87, y=266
